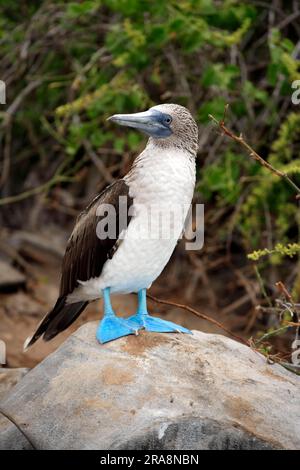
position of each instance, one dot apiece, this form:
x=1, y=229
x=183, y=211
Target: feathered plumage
x=162, y=176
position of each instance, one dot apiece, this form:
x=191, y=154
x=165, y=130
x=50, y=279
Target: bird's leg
x=142, y=319
x=112, y=327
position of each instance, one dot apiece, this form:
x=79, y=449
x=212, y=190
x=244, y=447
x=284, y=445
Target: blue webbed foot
x=155, y=324
x=112, y=327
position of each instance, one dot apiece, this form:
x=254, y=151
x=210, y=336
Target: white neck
x=165, y=174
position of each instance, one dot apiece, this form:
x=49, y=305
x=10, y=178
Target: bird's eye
x=168, y=119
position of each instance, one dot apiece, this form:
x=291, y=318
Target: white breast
x=161, y=180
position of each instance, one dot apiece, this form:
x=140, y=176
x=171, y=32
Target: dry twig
x=252, y=153
x=198, y=314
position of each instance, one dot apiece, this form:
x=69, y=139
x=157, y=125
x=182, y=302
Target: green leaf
x=215, y=107
x=76, y=9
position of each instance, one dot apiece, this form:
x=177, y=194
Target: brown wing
x=85, y=253
x=85, y=257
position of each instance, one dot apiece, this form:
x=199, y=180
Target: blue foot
x=156, y=324
x=112, y=327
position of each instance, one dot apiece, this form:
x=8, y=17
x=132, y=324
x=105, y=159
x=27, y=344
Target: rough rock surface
x=154, y=391
x=9, y=378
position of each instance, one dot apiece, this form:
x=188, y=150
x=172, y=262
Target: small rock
x=10, y=278
x=154, y=392
x=45, y=248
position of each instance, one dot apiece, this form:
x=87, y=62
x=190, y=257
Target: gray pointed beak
x=150, y=122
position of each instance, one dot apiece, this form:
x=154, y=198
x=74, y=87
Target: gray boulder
x=153, y=391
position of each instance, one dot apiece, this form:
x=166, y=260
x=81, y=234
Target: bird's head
x=166, y=124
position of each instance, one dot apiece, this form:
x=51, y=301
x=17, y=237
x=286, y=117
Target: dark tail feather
x=60, y=317
x=64, y=319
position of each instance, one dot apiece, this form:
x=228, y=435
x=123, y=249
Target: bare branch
x=252, y=153
x=198, y=314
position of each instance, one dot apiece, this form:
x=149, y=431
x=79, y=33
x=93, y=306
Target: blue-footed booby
x=162, y=177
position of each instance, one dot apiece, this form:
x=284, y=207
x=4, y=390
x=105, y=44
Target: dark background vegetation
x=69, y=65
